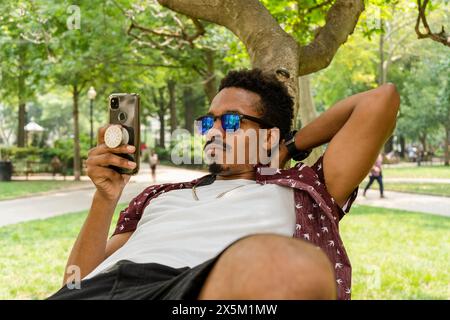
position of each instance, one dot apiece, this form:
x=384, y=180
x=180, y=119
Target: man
x=237, y=233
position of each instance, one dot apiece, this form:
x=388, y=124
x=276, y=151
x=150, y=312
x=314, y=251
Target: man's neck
x=248, y=174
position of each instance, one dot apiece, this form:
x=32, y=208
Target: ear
x=272, y=138
x=283, y=155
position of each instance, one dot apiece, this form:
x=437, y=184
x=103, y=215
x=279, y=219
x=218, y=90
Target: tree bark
x=172, y=105
x=21, y=95
x=161, y=114
x=447, y=147
x=209, y=85
x=21, y=125
x=402, y=146
x=381, y=66
x=76, y=137
x=188, y=104
x=268, y=45
x=423, y=141
x=307, y=113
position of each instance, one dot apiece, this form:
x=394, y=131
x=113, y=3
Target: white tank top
x=177, y=231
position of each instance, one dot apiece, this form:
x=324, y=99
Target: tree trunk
x=307, y=113
x=447, y=147
x=270, y=48
x=209, y=84
x=423, y=141
x=76, y=135
x=188, y=104
x=382, y=79
x=21, y=95
x=402, y=146
x=21, y=125
x=172, y=105
x=389, y=145
x=381, y=64
x=161, y=114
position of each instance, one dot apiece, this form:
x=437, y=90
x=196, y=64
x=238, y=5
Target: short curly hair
x=277, y=106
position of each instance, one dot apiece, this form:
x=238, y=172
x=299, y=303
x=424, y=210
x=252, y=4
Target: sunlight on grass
x=418, y=172
x=436, y=189
x=13, y=189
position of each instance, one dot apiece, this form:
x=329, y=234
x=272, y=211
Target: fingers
x=103, y=148
x=101, y=134
x=100, y=172
x=108, y=159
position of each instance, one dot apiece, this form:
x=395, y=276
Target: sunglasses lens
x=230, y=122
x=204, y=124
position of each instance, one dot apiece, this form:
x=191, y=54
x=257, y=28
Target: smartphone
x=124, y=109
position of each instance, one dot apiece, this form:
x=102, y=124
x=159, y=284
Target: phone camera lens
x=122, y=117
x=115, y=103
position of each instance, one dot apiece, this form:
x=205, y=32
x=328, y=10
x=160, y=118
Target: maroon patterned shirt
x=317, y=213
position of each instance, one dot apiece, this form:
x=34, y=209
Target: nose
x=216, y=130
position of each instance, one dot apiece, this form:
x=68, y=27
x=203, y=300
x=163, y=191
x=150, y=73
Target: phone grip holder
x=116, y=136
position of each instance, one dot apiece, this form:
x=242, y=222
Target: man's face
x=241, y=147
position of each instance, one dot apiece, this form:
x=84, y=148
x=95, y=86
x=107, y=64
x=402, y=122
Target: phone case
x=124, y=109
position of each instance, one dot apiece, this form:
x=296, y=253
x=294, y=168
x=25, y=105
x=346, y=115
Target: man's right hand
x=108, y=182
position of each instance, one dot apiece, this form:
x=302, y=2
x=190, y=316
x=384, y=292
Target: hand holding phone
x=124, y=111
x=109, y=183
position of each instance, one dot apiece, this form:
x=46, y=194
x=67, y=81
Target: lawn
x=14, y=189
x=395, y=254
x=437, y=189
x=438, y=171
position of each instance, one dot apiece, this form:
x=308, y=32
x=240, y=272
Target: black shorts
x=128, y=280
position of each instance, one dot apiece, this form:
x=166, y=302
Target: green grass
x=397, y=254
x=408, y=253
x=417, y=172
x=15, y=189
x=34, y=254
x=437, y=189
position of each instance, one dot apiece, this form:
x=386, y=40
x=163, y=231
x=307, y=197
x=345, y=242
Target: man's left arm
x=356, y=128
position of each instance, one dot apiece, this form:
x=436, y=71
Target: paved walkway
x=61, y=202
x=406, y=201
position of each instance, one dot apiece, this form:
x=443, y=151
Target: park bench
x=27, y=168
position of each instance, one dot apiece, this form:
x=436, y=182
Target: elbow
x=389, y=103
x=390, y=96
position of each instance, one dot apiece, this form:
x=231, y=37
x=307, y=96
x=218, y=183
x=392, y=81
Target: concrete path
x=417, y=180
x=61, y=202
x=406, y=201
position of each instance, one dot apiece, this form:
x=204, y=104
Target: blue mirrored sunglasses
x=231, y=121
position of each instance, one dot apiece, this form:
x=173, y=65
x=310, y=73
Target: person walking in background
x=143, y=148
x=376, y=174
x=56, y=165
x=153, y=159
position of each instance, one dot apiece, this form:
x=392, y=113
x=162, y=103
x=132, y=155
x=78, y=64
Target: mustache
x=217, y=143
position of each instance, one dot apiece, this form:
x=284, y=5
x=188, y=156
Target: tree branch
x=181, y=36
x=441, y=37
x=252, y=23
x=341, y=20
x=317, y=6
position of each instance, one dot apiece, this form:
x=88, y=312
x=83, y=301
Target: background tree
x=24, y=48
x=269, y=46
